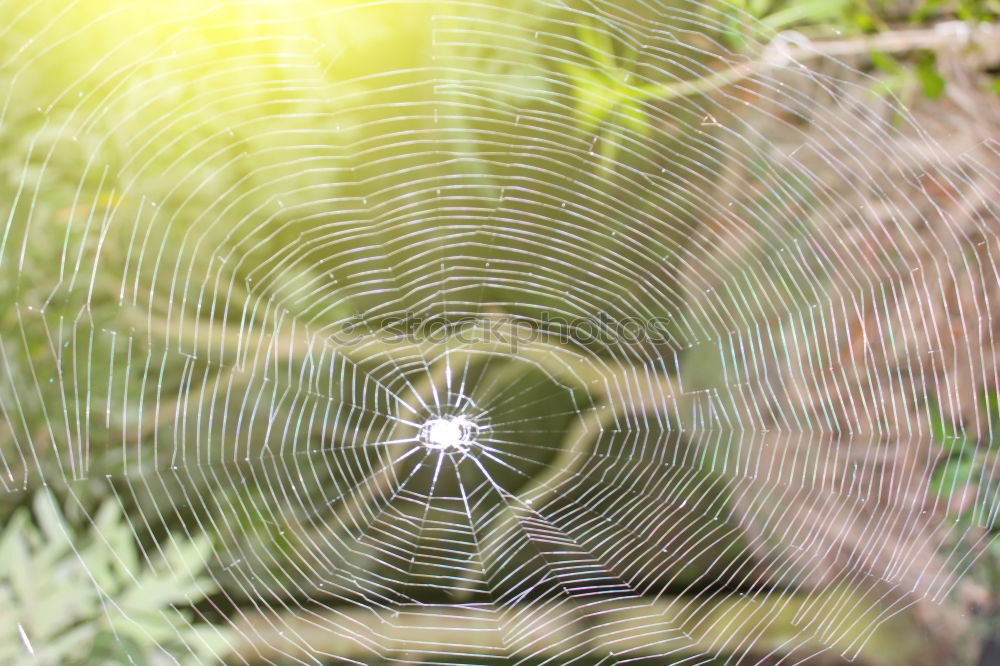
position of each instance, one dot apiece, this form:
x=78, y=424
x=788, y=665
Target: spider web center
x=448, y=434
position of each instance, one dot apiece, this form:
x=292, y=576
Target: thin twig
x=792, y=47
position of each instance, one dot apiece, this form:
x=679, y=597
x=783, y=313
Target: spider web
x=472, y=359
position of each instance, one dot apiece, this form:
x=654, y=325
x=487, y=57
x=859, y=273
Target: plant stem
x=790, y=47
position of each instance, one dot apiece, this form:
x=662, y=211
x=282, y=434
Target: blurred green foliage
x=186, y=134
x=70, y=597
x=967, y=465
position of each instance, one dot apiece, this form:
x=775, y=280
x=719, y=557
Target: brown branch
x=641, y=627
x=790, y=47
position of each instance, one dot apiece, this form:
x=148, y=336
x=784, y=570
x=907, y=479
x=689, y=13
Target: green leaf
x=48, y=516
x=595, y=97
x=953, y=441
x=599, y=46
x=974, y=10
x=601, y=87
x=113, y=528
x=732, y=32
x=19, y=568
x=865, y=21
x=884, y=62
x=991, y=408
x=634, y=116
x=759, y=8
x=806, y=11
x=13, y=538
x=931, y=81
x=602, y=93
x=111, y=650
x=984, y=513
x=926, y=10
x=187, y=557
x=954, y=474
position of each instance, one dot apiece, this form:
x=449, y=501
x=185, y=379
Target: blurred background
x=217, y=438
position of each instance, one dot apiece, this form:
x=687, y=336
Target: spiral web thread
x=216, y=207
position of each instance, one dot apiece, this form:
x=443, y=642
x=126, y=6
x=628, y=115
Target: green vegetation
x=188, y=203
x=967, y=468
x=72, y=597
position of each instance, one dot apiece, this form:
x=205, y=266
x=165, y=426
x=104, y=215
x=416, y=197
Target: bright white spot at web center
x=444, y=434
x=455, y=434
